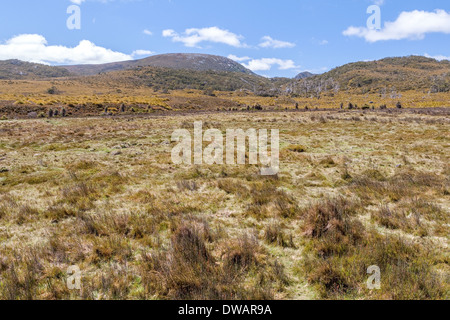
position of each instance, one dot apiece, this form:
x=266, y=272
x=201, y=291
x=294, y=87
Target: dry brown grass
x=103, y=194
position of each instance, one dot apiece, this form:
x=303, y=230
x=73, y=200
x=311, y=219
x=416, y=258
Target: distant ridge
x=18, y=70
x=190, y=61
x=304, y=75
x=385, y=77
x=388, y=75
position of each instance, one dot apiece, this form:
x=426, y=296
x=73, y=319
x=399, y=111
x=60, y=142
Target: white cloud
x=438, y=57
x=264, y=64
x=193, y=37
x=238, y=59
x=412, y=25
x=77, y=1
x=168, y=33
x=138, y=53
x=268, y=42
x=147, y=32
x=34, y=48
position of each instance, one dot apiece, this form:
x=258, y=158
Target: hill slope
x=383, y=76
x=160, y=78
x=18, y=70
x=190, y=61
x=388, y=76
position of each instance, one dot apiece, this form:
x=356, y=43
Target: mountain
x=384, y=76
x=160, y=78
x=18, y=70
x=178, y=61
x=388, y=76
x=304, y=75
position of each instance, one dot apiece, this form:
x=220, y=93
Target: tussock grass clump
x=187, y=185
x=428, y=210
x=109, y=181
x=332, y=218
x=268, y=200
x=65, y=249
x=106, y=224
x=28, y=176
x=415, y=215
x=25, y=213
x=190, y=269
x=241, y=253
x=345, y=174
x=340, y=250
x=189, y=237
x=400, y=219
x=233, y=186
x=328, y=162
x=407, y=183
x=142, y=197
x=80, y=195
x=7, y=204
x=115, y=282
x=274, y=234
x=285, y=205
x=60, y=211
x=145, y=226
x=389, y=218
x=187, y=271
x=12, y=210
x=82, y=165
x=406, y=271
x=112, y=247
x=20, y=280
x=195, y=172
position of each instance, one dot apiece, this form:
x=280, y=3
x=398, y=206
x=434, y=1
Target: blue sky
x=273, y=38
